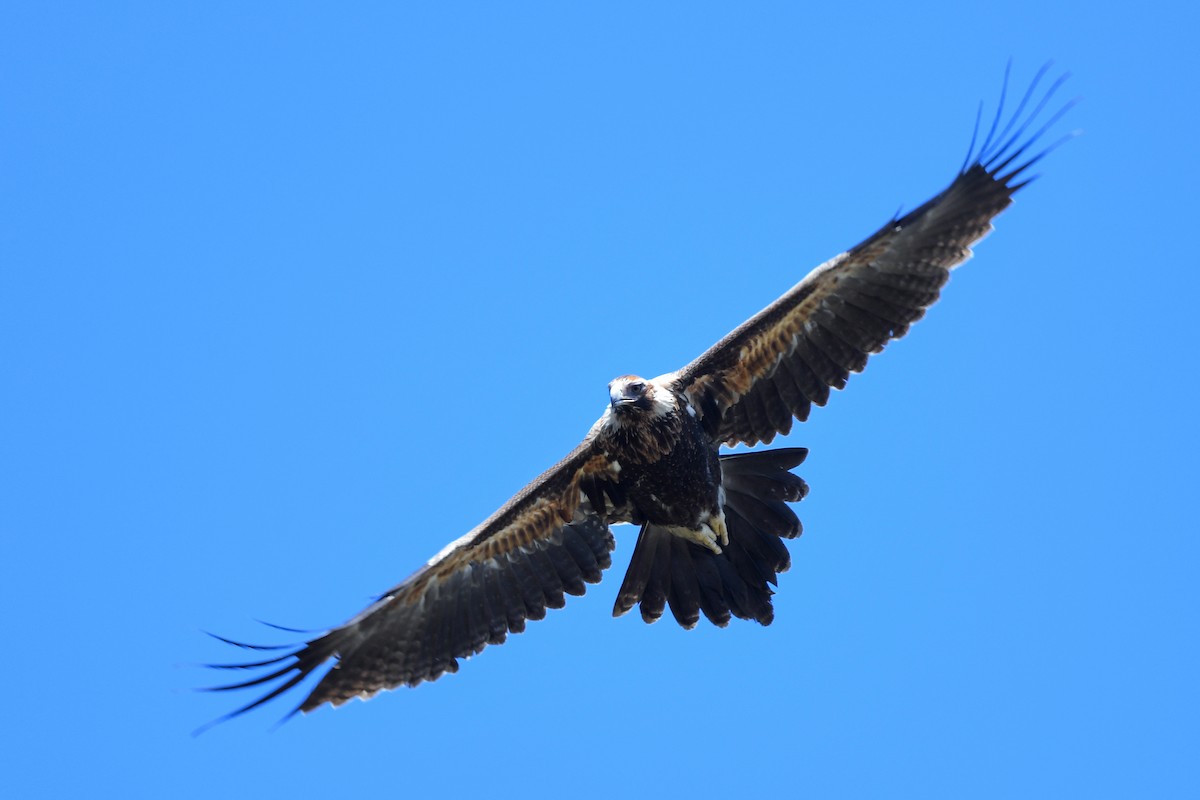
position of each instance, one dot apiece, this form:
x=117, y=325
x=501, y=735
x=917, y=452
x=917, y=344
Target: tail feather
x=768, y=516
x=668, y=570
x=637, y=576
x=654, y=598
x=767, y=553
x=742, y=603
x=684, y=597
x=713, y=600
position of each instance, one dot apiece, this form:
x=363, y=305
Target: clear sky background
x=292, y=296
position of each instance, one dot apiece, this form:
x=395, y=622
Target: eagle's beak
x=627, y=395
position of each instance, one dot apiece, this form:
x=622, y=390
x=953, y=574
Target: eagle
x=711, y=525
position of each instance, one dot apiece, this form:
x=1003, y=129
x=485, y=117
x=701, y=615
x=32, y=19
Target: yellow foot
x=705, y=537
x=717, y=525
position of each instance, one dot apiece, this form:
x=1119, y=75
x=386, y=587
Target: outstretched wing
x=549, y=540
x=772, y=369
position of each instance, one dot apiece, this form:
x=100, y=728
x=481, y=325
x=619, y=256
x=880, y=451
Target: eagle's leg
x=716, y=524
x=702, y=536
x=712, y=533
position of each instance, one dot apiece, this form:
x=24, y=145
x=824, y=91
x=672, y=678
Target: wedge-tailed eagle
x=711, y=524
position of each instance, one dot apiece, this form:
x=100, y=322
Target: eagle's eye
x=636, y=387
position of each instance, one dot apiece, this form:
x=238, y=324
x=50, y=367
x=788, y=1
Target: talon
x=703, y=537
x=720, y=529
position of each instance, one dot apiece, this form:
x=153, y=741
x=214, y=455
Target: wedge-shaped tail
x=667, y=569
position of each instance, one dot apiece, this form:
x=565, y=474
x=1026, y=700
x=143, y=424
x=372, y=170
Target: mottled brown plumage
x=711, y=525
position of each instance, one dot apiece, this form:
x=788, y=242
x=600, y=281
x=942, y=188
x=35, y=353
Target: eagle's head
x=633, y=398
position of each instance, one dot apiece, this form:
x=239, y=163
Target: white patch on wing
x=450, y=548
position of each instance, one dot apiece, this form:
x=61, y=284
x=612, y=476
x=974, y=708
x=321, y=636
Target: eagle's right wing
x=549, y=540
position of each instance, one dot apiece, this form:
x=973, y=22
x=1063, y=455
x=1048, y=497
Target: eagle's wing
x=751, y=384
x=549, y=540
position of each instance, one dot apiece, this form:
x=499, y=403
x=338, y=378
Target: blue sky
x=292, y=296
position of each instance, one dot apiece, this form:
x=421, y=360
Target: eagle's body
x=665, y=462
x=711, y=524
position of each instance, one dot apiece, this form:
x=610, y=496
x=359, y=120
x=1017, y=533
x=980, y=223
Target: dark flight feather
x=854, y=304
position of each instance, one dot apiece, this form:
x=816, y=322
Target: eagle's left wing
x=549, y=540
x=773, y=368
